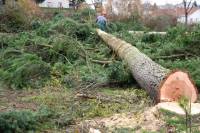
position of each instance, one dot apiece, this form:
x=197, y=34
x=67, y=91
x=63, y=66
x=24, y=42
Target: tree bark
x=186, y=19
x=148, y=33
x=150, y=75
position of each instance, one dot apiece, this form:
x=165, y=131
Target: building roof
x=181, y=11
x=176, y=12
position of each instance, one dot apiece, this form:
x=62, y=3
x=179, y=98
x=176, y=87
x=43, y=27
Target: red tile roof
x=181, y=11
x=176, y=12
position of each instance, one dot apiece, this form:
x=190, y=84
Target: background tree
x=3, y=2
x=155, y=7
x=39, y=1
x=123, y=9
x=188, y=6
x=98, y=5
x=76, y=3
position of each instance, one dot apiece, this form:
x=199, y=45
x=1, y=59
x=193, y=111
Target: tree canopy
x=39, y=1
x=75, y=3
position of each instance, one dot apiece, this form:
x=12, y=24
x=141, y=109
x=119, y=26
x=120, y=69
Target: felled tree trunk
x=148, y=33
x=160, y=83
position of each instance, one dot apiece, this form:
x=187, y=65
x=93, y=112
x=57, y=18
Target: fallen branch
x=92, y=49
x=149, y=33
x=63, y=56
x=100, y=98
x=7, y=34
x=86, y=57
x=14, y=51
x=94, y=85
x=173, y=56
x=101, y=62
x=46, y=45
x=97, y=61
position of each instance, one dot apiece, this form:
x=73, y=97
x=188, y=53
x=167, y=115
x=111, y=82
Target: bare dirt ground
x=131, y=121
x=149, y=120
x=11, y=100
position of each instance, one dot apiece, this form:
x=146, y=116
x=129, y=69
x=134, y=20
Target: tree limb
x=190, y=9
x=100, y=98
x=173, y=56
x=101, y=62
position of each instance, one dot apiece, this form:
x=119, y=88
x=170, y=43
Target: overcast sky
x=162, y=2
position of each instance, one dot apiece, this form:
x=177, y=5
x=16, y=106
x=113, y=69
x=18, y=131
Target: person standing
x=101, y=21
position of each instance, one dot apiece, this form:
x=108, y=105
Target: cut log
x=148, y=33
x=160, y=83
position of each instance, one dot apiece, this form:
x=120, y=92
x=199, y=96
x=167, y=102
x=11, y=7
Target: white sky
x=162, y=2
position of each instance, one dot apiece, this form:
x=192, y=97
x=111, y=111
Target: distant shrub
x=87, y=14
x=35, y=24
x=160, y=23
x=58, y=16
x=13, y=20
x=84, y=15
x=66, y=26
x=65, y=48
x=18, y=15
x=184, y=40
x=174, y=32
x=30, y=8
x=115, y=27
x=151, y=38
x=82, y=32
x=125, y=25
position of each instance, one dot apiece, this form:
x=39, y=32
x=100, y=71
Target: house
x=56, y=4
x=193, y=16
x=176, y=12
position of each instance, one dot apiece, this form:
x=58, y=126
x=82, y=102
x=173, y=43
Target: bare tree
x=188, y=6
x=122, y=8
x=76, y=3
x=109, y=7
x=98, y=5
x=3, y=2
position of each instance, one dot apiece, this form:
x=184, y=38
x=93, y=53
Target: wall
x=55, y=4
x=195, y=17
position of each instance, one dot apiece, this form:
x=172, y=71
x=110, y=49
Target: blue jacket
x=101, y=22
